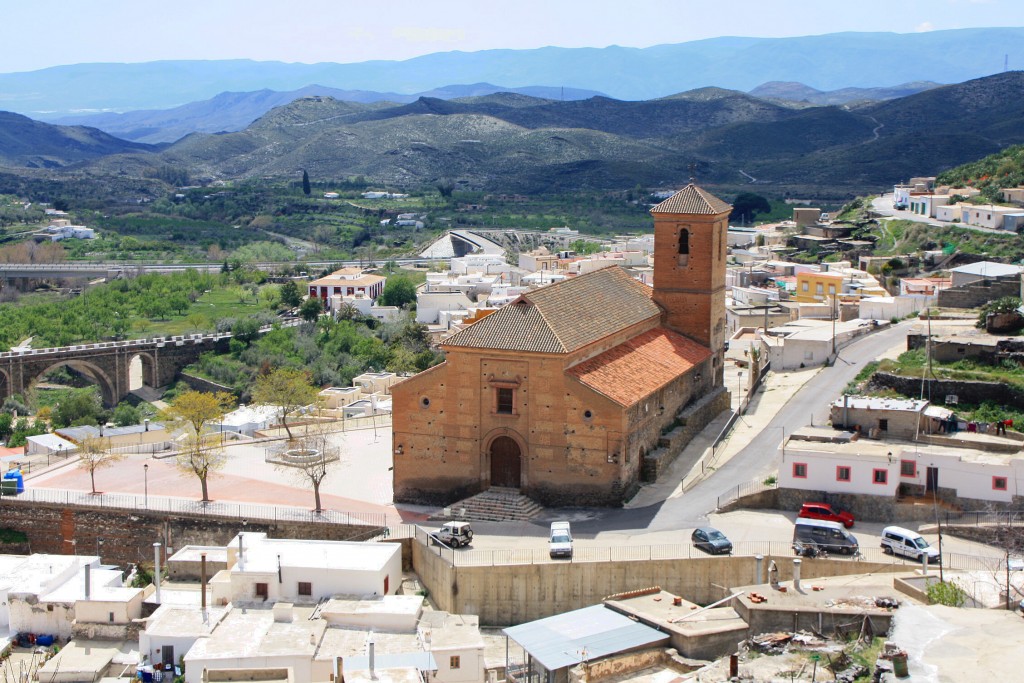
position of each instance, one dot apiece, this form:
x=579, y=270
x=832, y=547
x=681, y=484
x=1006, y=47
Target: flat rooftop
x=262, y=554
x=176, y=621
x=194, y=553
x=686, y=618
x=346, y=641
x=263, y=637
x=854, y=594
x=884, y=449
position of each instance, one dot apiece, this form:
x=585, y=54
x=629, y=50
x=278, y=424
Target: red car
x=826, y=512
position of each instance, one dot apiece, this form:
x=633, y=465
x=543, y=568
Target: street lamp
x=739, y=392
x=145, y=474
x=99, y=548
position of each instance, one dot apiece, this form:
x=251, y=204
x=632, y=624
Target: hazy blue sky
x=41, y=33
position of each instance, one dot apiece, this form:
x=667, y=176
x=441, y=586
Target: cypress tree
x=306, y=189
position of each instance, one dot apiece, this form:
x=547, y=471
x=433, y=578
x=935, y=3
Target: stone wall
x=692, y=420
x=197, y=383
x=128, y=536
x=938, y=389
x=978, y=293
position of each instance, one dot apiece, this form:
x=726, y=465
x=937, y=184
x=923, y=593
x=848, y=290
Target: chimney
x=373, y=672
x=202, y=579
x=758, y=576
x=88, y=581
x=796, y=574
x=339, y=670
x=156, y=570
x=101, y=430
x=146, y=423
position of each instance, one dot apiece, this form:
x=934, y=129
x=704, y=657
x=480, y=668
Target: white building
x=49, y=444
x=262, y=569
x=248, y=420
x=806, y=343
x=844, y=464
x=889, y=307
x=375, y=382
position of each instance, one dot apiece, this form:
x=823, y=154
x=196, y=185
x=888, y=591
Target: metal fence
x=985, y=518
x=470, y=557
x=242, y=511
x=746, y=489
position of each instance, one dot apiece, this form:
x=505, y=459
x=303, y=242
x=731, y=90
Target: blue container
x=16, y=476
x=45, y=641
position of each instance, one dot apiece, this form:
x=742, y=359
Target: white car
x=454, y=534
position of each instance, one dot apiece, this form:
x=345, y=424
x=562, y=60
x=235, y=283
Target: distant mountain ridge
x=826, y=62
x=518, y=143
x=800, y=93
x=233, y=111
x=31, y=144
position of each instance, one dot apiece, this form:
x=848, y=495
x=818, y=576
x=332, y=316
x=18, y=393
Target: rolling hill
x=31, y=144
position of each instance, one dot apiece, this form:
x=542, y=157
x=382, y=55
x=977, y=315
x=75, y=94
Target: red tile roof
x=692, y=199
x=635, y=369
x=565, y=316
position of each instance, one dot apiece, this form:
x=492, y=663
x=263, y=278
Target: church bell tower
x=689, y=266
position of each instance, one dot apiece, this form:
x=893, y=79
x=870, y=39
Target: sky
x=42, y=33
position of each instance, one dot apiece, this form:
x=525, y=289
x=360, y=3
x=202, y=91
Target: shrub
x=946, y=593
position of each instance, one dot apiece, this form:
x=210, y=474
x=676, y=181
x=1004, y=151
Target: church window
x=425, y=402
x=587, y=414
x=504, y=401
x=684, y=246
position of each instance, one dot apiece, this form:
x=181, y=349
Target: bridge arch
x=91, y=371
x=6, y=388
x=141, y=368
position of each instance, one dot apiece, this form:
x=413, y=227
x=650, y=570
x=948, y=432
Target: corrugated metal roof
x=694, y=200
x=560, y=641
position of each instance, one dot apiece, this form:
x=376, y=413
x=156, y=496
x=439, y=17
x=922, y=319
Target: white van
x=899, y=541
x=560, y=541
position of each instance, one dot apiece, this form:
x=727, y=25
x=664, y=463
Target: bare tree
x=94, y=454
x=314, y=458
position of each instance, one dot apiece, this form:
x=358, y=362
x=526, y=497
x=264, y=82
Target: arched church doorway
x=506, y=462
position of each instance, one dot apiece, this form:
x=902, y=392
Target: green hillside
x=991, y=174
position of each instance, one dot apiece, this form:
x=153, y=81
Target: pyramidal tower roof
x=694, y=200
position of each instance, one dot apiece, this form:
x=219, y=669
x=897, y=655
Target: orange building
x=565, y=392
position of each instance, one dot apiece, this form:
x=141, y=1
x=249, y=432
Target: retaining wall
x=513, y=594
x=128, y=536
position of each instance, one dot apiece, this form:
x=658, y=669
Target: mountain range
x=515, y=142
x=826, y=62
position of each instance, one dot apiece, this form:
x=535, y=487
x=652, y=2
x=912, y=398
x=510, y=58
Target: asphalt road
x=758, y=459
x=882, y=205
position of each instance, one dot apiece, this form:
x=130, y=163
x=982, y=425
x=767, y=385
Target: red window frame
x=913, y=467
x=849, y=473
x=795, y=474
x=885, y=476
x=1005, y=481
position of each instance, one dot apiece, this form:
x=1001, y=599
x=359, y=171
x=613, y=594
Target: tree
x=94, y=454
x=287, y=388
x=398, y=291
x=290, y=294
x=306, y=187
x=200, y=452
x=747, y=204
x=311, y=309
x=321, y=452
x=126, y=414
x=79, y=407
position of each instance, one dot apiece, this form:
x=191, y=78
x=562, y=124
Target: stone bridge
x=109, y=364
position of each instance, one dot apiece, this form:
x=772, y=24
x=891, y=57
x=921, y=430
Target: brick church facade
x=565, y=392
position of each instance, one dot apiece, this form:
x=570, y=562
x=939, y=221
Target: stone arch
x=92, y=371
x=140, y=370
x=6, y=387
x=510, y=447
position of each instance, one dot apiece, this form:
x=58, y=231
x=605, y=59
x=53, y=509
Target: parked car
x=560, y=541
x=711, y=541
x=811, y=536
x=899, y=541
x=826, y=512
x=454, y=534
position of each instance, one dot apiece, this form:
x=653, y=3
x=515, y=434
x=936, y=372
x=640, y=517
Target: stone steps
x=493, y=505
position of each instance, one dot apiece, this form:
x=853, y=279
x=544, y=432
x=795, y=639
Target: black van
x=817, y=534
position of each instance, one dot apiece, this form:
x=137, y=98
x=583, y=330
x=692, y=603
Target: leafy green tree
x=6, y=426
x=200, y=452
x=747, y=205
x=286, y=388
x=311, y=309
x=125, y=414
x=246, y=330
x=307, y=189
x=398, y=291
x=79, y=407
x=291, y=296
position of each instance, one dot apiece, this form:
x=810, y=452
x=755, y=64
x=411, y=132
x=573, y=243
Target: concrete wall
x=967, y=392
x=977, y=294
x=514, y=594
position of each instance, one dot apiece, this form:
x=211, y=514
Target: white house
x=806, y=343
x=172, y=630
x=248, y=420
x=262, y=569
x=845, y=464
x=49, y=444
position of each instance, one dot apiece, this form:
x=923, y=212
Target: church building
x=566, y=391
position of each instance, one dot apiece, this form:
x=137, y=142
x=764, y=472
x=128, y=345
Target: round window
x=587, y=414
x=425, y=402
